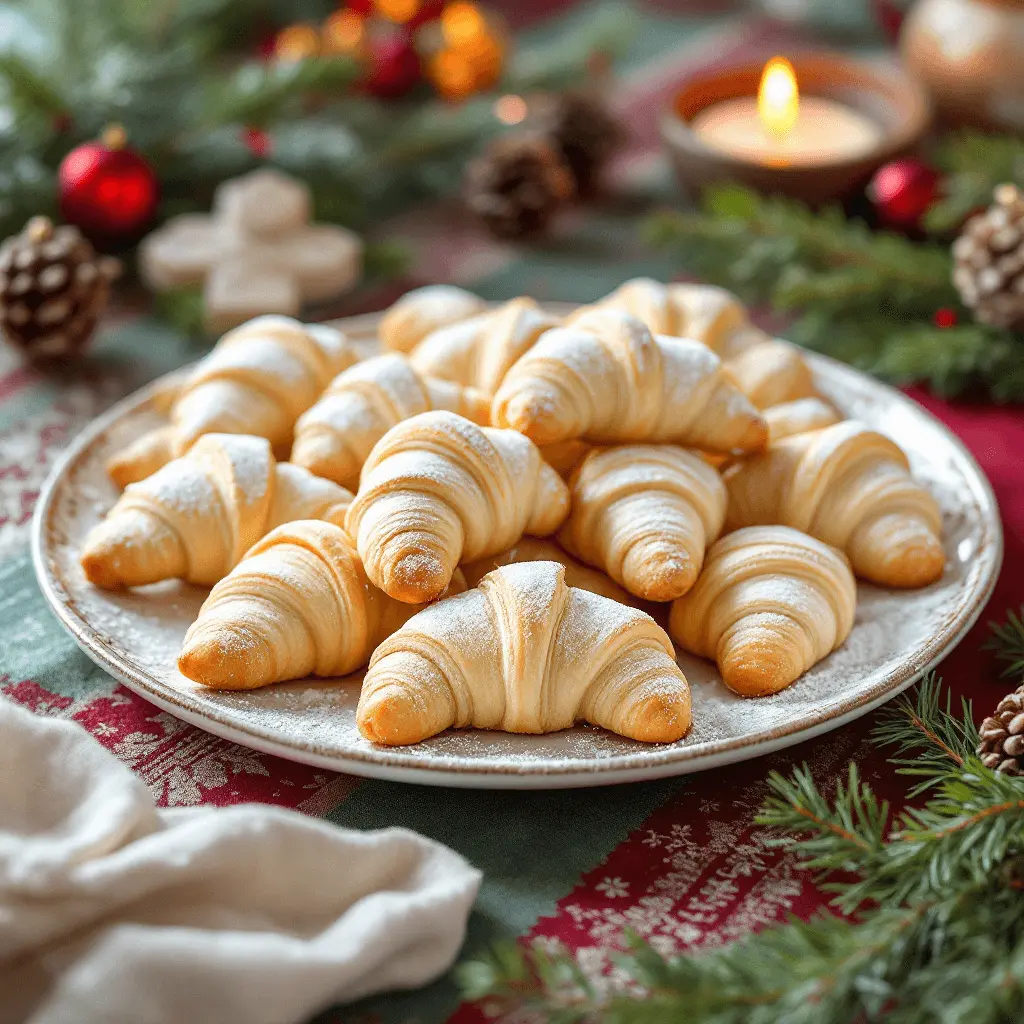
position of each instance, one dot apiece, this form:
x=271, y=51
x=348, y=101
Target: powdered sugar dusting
x=895, y=633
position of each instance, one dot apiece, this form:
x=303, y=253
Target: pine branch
x=1007, y=641
x=819, y=252
x=29, y=90
x=864, y=297
x=938, y=936
x=843, y=835
x=515, y=976
x=931, y=743
x=892, y=963
x=951, y=359
x=563, y=61
x=170, y=73
x=259, y=93
x=973, y=164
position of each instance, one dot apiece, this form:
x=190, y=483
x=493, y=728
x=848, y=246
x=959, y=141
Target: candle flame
x=778, y=98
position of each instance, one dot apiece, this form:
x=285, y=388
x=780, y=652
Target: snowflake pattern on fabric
x=699, y=873
x=184, y=766
x=28, y=453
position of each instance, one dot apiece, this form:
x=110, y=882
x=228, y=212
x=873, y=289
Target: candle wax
x=825, y=132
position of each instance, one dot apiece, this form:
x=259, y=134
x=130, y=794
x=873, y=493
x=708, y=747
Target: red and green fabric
x=680, y=861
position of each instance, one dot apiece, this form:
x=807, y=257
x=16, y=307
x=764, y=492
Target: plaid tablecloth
x=678, y=861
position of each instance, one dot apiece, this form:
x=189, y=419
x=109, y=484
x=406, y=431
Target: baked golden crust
x=298, y=604
x=258, y=379
x=336, y=435
x=850, y=487
x=645, y=515
x=770, y=604
x=606, y=378
x=438, y=490
x=525, y=653
x=196, y=517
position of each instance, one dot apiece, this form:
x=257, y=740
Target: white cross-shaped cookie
x=255, y=253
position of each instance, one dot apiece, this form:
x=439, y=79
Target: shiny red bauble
x=107, y=189
x=426, y=12
x=902, y=192
x=393, y=67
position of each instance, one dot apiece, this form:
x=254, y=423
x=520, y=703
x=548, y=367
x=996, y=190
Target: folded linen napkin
x=112, y=910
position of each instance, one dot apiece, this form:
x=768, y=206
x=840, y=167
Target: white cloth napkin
x=114, y=911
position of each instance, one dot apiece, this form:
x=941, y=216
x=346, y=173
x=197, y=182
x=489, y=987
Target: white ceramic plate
x=897, y=636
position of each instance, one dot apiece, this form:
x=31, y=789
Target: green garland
x=972, y=166
x=934, y=931
x=170, y=73
x=862, y=296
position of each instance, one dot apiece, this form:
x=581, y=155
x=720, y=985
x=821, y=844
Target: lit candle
x=780, y=128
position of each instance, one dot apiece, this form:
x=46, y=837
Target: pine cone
x=989, y=261
x=517, y=185
x=53, y=289
x=587, y=133
x=1002, y=736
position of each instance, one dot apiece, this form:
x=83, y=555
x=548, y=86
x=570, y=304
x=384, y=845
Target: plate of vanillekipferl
x=518, y=545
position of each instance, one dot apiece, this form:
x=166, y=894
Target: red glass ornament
x=428, y=11
x=107, y=189
x=903, y=191
x=257, y=141
x=945, y=317
x=393, y=67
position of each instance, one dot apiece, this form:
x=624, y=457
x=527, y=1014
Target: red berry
x=945, y=317
x=266, y=43
x=257, y=142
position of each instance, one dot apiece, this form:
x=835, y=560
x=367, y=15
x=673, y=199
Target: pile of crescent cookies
x=496, y=514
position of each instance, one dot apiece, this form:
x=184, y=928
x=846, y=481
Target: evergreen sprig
x=934, y=931
x=177, y=77
x=972, y=164
x=931, y=742
x=1007, y=641
x=865, y=297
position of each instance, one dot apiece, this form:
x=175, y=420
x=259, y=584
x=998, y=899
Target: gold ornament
x=470, y=56
x=970, y=56
x=398, y=11
x=342, y=33
x=296, y=43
